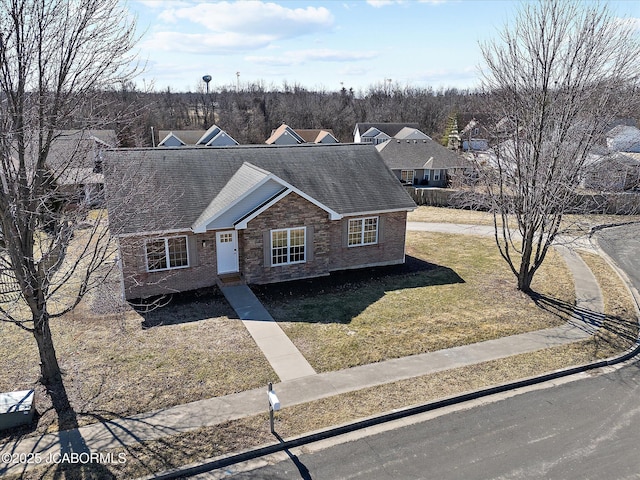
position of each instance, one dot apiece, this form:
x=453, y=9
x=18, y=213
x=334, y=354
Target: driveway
x=622, y=244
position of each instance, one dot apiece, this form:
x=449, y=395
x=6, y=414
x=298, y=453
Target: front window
x=288, y=246
x=167, y=253
x=363, y=231
x=436, y=175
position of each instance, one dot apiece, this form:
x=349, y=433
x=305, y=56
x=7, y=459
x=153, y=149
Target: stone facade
x=388, y=251
x=326, y=250
x=201, y=272
x=292, y=211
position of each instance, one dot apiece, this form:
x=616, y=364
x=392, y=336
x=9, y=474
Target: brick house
x=186, y=217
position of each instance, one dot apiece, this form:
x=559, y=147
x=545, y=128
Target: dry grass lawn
x=467, y=295
x=123, y=363
x=145, y=458
x=574, y=223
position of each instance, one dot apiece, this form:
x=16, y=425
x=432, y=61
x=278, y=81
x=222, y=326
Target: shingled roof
x=390, y=129
x=152, y=190
x=416, y=154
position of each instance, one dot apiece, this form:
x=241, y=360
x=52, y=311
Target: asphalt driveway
x=622, y=244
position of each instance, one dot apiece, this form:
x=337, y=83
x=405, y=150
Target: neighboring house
x=624, y=138
x=213, y=137
x=474, y=136
x=317, y=136
x=408, y=133
x=76, y=160
x=265, y=213
x=179, y=138
x=285, y=135
x=377, y=133
x=421, y=162
x=613, y=172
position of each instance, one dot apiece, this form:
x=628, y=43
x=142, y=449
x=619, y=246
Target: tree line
x=249, y=114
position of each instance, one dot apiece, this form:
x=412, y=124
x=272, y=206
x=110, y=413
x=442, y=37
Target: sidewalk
x=303, y=385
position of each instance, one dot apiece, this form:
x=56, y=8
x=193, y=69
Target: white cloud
x=384, y=3
x=253, y=18
x=305, y=56
x=204, y=43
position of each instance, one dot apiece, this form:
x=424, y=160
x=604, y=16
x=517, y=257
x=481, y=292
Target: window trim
x=288, y=230
x=166, y=253
x=362, y=243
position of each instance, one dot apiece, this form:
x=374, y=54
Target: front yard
x=119, y=364
x=455, y=290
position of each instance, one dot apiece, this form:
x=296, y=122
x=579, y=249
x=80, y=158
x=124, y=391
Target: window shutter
x=309, y=244
x=345, y=232
x=266, y=247
x=192, y=250
x=381, y=230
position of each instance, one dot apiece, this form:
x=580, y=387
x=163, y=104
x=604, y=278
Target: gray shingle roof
x=390, y=129
x=152, y=190
x=415, y=154
x=189, y=137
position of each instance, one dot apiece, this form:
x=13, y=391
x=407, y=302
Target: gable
x=171, y=141
x=284, y=135
x=181, y=184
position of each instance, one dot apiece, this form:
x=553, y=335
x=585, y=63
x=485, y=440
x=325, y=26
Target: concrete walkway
x=300, y=383
x=285, y=359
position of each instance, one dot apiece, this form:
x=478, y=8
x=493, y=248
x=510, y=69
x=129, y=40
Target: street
x=587, y=429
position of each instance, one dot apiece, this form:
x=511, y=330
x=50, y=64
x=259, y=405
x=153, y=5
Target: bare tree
x=554, y=82
x=55, y=58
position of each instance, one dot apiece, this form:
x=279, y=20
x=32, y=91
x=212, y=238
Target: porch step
x=230, y=279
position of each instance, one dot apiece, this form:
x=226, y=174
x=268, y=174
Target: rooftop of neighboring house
x=75, y=156
x=284, y=133
x=316, y=135
x=155, y=189
x=417, y=154
x=188, y=137
x=391, y=129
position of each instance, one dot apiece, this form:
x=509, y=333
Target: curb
x=397, y=415
x=384, y=418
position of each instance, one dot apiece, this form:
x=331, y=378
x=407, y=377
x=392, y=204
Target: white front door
x=227, y=251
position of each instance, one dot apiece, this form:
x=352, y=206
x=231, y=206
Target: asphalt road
x=622, y=244
x=586, y=429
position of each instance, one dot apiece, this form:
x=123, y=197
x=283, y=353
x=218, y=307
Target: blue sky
x=320, y=44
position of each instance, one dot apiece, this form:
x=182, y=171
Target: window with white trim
x=427, y=174
x=166, y=253
x=288, y=246
x=407, y=176
x=436, y=175
x=363, y=231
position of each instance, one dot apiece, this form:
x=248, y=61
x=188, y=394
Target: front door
x=227, y=251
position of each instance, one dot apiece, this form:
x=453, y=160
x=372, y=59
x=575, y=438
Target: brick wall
x=290, y=212
x=138, y=283
x=389, y=249
x=329, y=251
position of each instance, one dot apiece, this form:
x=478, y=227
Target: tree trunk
x=51, y=375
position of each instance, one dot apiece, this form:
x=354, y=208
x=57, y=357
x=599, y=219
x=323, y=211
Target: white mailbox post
x=274, y=404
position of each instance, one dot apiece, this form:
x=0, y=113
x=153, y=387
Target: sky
x=320, y=45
